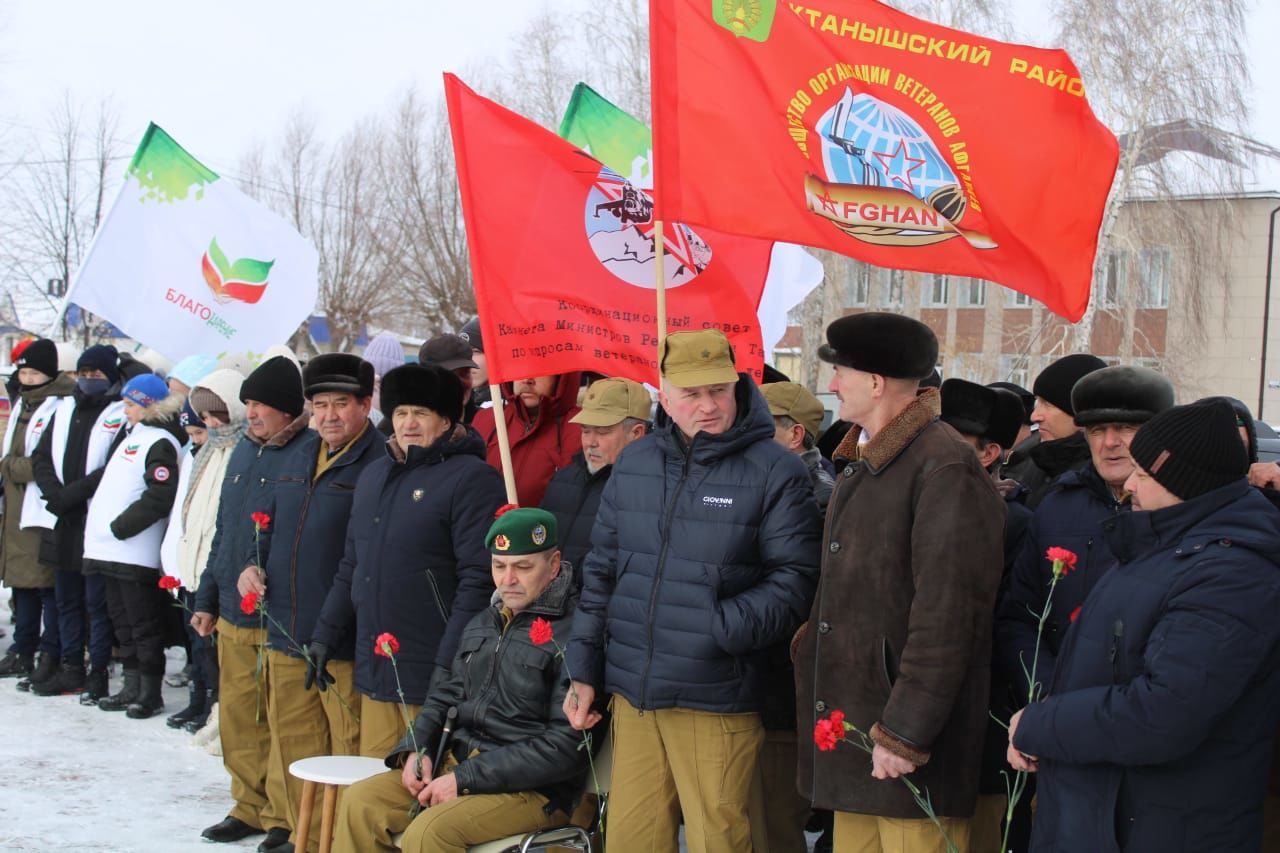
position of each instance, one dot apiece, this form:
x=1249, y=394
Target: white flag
x=793, y=274
x=188, y=265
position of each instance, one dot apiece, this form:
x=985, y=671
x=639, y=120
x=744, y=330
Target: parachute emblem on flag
x=885, y=180
x=242, y=281
x=620, y=229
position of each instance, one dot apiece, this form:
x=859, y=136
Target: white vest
x=110, y=421
x=123, y=482
x=169, y=547
x=34, y=513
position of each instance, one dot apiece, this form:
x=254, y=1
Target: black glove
x=317, y=674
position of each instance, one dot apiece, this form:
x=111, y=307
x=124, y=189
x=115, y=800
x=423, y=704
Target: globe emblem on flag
x=618, y=220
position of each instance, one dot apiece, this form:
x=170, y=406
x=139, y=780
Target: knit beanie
x=146, y=389
x=204, y=400
x=188, y=417
x=101, y=357
x=41, y=355
x=1056, y=381
x=384, y=353
x=276, y=383
x=1192, y=449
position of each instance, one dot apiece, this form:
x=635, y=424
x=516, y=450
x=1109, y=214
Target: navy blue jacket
x=573, y=497
x=415, y=562
x=252, y=462
x=307, y=537
x=704, y=553
x=1071, y=517
x=1158, y=729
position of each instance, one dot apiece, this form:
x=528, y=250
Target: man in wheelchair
x=512, y=764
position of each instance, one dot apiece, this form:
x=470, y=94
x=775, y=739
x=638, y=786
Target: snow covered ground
x=81, y=779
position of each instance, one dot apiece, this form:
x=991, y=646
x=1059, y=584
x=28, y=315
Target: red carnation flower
x=261, y=520
x=386, y=644
x=169, y=582
x=1063, y=560
x=1074, y=614
x=824, y=735
x=837, y=722
x=540, y=632
x=249, y=604
x=504, y=509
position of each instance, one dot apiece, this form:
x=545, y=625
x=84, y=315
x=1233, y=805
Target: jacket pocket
x=888, y=663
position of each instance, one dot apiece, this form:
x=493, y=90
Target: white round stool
x=333, y=772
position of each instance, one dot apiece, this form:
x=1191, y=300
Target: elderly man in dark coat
x=899, y=638
x=1157, y=730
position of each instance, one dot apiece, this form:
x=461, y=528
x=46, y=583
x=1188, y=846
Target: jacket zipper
x=657, y=578
x=435, y=590
x=293, y=562
x=1117, y=636
x=483, y=708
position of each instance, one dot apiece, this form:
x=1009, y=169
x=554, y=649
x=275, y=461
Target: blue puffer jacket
x=307, y=536
x=251, y=463
x=1157, y=732
x=1071, y=517
x=703, y=554
x=415, y=561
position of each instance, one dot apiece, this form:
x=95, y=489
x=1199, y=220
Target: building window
x=857, y=287
x=1015, y=369
x=1114, y=273
x=973, y=293
x=1155, y=268
x=891, y=288
x=1014, y=299
x=967, y=366
x=935, y=291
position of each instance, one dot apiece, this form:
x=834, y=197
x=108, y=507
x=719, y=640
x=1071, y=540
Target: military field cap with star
x=795, y=402
x=692, y=359
x=611, y=401
x=518, y=530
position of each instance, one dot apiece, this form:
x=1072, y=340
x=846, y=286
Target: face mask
x=93, y=387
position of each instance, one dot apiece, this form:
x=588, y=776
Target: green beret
x=521, y=530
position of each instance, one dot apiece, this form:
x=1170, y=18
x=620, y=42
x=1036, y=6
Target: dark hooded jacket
x=253, y=462
x=511, y=733
x=304, y=543
x=573, y=497
x=415, y=562
x=1156, y=733
x=704, y=553
x=1070, y=517
x=540, y=446
x=63, y=546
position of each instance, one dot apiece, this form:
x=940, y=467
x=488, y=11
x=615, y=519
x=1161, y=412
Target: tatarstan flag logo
x=113, y=424
x=242, y=281
x=131, y=450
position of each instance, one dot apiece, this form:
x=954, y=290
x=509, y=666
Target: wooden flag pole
x=661, y=267
x=504, y=443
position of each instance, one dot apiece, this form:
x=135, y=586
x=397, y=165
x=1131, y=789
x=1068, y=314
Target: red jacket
x=539, y=447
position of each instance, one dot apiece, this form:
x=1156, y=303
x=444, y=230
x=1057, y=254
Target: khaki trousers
x=674, y=761
x=987, y=828
x=382, y=724
x=243, y=728
x=371, y=811
x=304, y=723
x=778, y=812
x=860, y=833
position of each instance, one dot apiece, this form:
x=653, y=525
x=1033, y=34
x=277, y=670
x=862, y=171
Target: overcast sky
x=220, y=76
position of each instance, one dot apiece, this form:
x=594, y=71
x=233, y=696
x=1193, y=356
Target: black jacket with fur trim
x=1156, y=733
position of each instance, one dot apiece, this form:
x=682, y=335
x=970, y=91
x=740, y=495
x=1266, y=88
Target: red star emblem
x=828, y=203
x=901, y=176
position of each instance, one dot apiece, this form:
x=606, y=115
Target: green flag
x=609, y=134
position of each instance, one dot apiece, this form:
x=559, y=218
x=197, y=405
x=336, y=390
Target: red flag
x=863, y=130
x=562, y=256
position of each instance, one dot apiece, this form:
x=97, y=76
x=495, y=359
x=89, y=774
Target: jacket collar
x=284, y=436
x=1056, y=457
x=1135, y=534
x=753, y=423
x=886, y=445
x=462, y=439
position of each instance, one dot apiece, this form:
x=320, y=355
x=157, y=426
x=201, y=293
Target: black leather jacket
x=509, y=694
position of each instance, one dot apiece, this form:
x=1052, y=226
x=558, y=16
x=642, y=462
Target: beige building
x=1178, y=304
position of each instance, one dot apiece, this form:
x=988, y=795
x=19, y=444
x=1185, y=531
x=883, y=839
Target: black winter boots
x=150, y=701
x=95, y=686
x=46, y=667
x=15, y=665
x=127, y=696
x=68, y=679
x=197, y=702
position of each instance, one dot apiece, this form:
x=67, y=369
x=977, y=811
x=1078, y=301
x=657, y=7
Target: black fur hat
x=1123, y=394
x=339, y=372
x=982, y=411
x=429, y=386
x=888, y=344
x=1028, y=399
x=1007, y=418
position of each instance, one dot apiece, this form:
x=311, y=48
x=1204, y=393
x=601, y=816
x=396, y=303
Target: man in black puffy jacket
x=512, y=764
x=614, y=413
x=705, y=553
